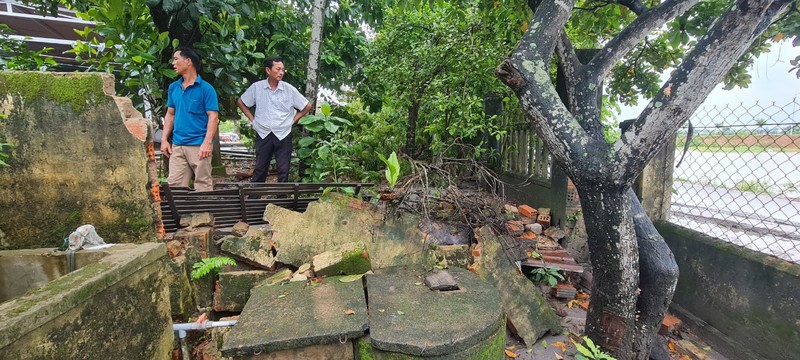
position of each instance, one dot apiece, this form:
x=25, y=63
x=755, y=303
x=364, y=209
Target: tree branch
x=544, y=29
x=704, y=68
x=570, y=67
x=652, y=19
x=634, y=5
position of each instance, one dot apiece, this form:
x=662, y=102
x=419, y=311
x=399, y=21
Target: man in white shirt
x=278, y=106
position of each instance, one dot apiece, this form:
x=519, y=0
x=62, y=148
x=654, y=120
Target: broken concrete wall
x=752, y=298
x=391, y=240
x=73, y=161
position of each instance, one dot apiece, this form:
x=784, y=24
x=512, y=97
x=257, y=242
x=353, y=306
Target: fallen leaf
x=418, y=283
x=349, y=312
x=561, y=345
x=400, y=312
x=707, y=348
x=684, y=357
x=671, y=346
x=544, y=344
x=558, y=357
x=281, y=295
x=350, y=278
x=511, y=354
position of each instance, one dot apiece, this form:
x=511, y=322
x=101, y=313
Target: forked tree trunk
x=634, y=271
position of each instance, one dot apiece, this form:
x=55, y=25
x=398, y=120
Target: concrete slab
x=337, y=220
x=297, y=315
x=408, y=318
x=522, y=301
x=233, y=289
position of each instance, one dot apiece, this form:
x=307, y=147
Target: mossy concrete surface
x=117, y=308
x=337, y=220
x=297, y=315
x=522, y=301
x=234, y=287
x=73, y=162
x=348, y=259
x=491, y=349
x=750, y=297
x=407, y=318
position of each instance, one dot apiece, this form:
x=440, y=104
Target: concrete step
x=319, y=319
x=408, y=319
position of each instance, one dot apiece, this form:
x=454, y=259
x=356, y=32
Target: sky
x=771, y=82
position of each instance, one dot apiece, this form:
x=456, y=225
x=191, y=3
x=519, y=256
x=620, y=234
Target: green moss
x=135, y=223
x=57, y=286
x=75, y=89
x=491, y=349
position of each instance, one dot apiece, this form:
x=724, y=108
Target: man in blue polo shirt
x=278, y=106
x=192, y=119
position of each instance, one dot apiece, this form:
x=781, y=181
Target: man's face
x=180, y=63
x=276, y=71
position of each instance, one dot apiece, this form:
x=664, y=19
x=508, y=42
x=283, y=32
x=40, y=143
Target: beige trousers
x=185, y=162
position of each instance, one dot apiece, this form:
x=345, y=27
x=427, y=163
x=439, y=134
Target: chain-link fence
x=740, y=178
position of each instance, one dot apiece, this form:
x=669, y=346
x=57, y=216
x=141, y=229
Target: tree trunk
x=634, y=277
x=658, y=276
x=615, y=264
x=312, y=82
x=411, y=129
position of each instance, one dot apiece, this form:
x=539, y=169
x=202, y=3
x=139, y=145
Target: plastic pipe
x=182, y=328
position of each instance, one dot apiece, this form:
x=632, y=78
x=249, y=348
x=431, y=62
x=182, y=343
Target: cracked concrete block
x=240, y=229
x=254, y=250
x=233, y=289
x=347, y=259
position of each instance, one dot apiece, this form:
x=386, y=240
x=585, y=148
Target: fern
x=212, y=264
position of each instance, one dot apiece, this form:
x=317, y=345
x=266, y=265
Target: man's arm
x=169, y=121
x=211, y=132
x=245, y=110
x=302, y=113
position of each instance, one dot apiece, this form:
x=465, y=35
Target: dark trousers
x=283, y=156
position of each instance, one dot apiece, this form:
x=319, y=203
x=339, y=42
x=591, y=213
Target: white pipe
x=181, y=328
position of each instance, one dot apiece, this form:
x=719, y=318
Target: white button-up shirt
x=275, y=110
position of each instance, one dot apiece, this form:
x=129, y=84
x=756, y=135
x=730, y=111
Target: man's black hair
x=191, y=54
x=272, y=60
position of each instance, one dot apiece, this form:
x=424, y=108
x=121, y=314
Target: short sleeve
x=249, y=96
x=210, y=99
x=298, y=100
x=170, y=102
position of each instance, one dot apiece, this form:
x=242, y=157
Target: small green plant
x=208, y=265
x=549, y=275
x=590, y=351
x=392, y=168
x=3, y=154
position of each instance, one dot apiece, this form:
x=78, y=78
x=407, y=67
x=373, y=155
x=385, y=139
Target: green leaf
x=326, y=109
x=306, y=141
x=314, y=127
x=350, y=278
x=331, y=127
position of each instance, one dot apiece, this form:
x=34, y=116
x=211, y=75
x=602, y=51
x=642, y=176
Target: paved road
x=762, y=223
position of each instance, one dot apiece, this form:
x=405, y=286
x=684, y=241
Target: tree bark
x=312, y=83
x=411, y=129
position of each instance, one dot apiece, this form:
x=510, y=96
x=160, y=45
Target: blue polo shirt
x=191, y=105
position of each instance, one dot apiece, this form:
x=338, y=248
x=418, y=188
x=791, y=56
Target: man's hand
x=166, y=148
x=205, y=150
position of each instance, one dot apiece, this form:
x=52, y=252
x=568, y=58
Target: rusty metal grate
x=234, y=202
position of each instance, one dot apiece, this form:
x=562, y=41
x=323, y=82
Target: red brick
x=527, y=211
x=476, y=252
x=515, y=228
x=138, y=128
x=527, y=236
x=544, y=220
x=669, y=325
